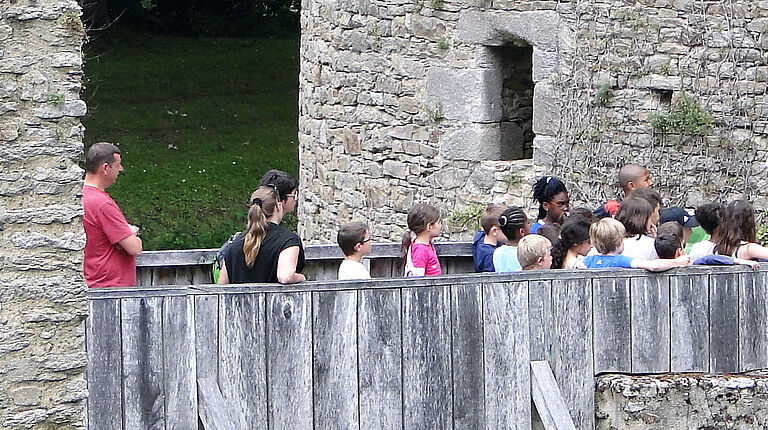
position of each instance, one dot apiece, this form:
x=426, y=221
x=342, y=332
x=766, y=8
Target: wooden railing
x=194, y=266
x=444, y=352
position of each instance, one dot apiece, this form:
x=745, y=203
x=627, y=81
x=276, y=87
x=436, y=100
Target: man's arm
x=131, y=245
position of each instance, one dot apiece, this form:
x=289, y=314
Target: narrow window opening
x=665, y=97
x=516, y=67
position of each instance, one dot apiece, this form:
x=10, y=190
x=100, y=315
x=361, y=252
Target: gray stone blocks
x=472, y=95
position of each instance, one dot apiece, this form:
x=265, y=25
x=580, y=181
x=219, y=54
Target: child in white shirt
x=354, y=239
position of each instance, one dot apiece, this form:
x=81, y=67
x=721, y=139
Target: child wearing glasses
x=354, y=239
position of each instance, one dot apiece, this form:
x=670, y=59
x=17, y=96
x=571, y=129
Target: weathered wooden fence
x=194, y=266
x=436, y=353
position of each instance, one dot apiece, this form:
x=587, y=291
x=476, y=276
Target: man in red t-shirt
x=111, y=244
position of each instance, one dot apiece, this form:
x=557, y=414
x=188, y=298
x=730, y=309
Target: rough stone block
x=395, y=169
x=545, y=150
x=546, y=109
x=70, y=108
x=472, y=95
x=473, y=143
x=545, y=63
x=658, y=82
x=538, y=28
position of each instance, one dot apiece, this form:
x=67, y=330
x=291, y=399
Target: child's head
x=550, y=231
x=633, y=176
x=574, y=235
x=652, y=197
x=585, y=213
x=635, y=214
x=680, y=217
x=607, y=235
x=423, y=217
x=514, y=223
x=709, y=216
x=533, y=252
x=669, y=240
x=354, y=237
x=490, y=217
x=738, y=225
x=552, y=196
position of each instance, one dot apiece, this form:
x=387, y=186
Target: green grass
x=198, y=121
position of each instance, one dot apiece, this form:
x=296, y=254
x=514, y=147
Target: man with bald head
x=631, y=176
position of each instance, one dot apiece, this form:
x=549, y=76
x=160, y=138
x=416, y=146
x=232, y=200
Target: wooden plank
x=289, y=360
x=386, y=268
x=163, y=275
x=335, y=360
x=143, y=388
x=572, y=348
x=650, y=323
x=427, y=358
x=313, y=252
x=723, y=323
x=103, y=342
x=380, y=350
x=548, y=399
x=540, y=319
x=183, y=275
x=689, y=323
x=457, y=265
x=215, y=412
x=753, y=320
x=507, y=356
x=143, y=276
x=180, y=372
x=467, y=355
x=202, y=274
x=242, y=364
x=323, y=270
x=611, y=316
x=207, y=336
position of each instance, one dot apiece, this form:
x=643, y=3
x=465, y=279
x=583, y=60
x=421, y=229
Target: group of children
x=635, y=232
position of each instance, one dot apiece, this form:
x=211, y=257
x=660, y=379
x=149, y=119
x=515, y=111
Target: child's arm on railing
x=661, y=265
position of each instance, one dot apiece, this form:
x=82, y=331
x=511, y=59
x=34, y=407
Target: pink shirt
x=426, y=257
x=105, y=263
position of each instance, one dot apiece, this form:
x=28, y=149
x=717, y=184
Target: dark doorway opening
x=515, y=62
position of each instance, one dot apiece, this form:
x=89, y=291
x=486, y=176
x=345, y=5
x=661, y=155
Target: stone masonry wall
x=401, y=101
x=682, y=402
x=42, y=292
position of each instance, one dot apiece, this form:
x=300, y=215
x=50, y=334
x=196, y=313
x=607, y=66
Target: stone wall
x=682, y=402
x=42, y=292
x=403, y=101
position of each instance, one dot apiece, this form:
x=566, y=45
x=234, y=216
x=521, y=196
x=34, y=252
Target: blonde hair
x=606, y=235
x=531, y=248
x=264, y=201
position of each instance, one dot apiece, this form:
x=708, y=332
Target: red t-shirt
x=105, y=263
x=426, y=257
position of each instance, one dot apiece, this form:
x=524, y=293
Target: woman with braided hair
x=553, y=200
x=514, y=224
x=265, y=251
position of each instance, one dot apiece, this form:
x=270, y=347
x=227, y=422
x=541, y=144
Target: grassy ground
x=198, y=122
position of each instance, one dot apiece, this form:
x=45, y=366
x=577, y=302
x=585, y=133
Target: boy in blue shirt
x=607, y=236
x=487, y=240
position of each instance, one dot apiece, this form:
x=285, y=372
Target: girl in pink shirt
x=419, y=253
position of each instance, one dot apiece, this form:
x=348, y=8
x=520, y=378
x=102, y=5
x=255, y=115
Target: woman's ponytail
x=264, y=201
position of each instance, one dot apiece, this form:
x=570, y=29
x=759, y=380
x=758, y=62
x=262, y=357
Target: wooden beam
x=215, y=413
x=548, y=398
